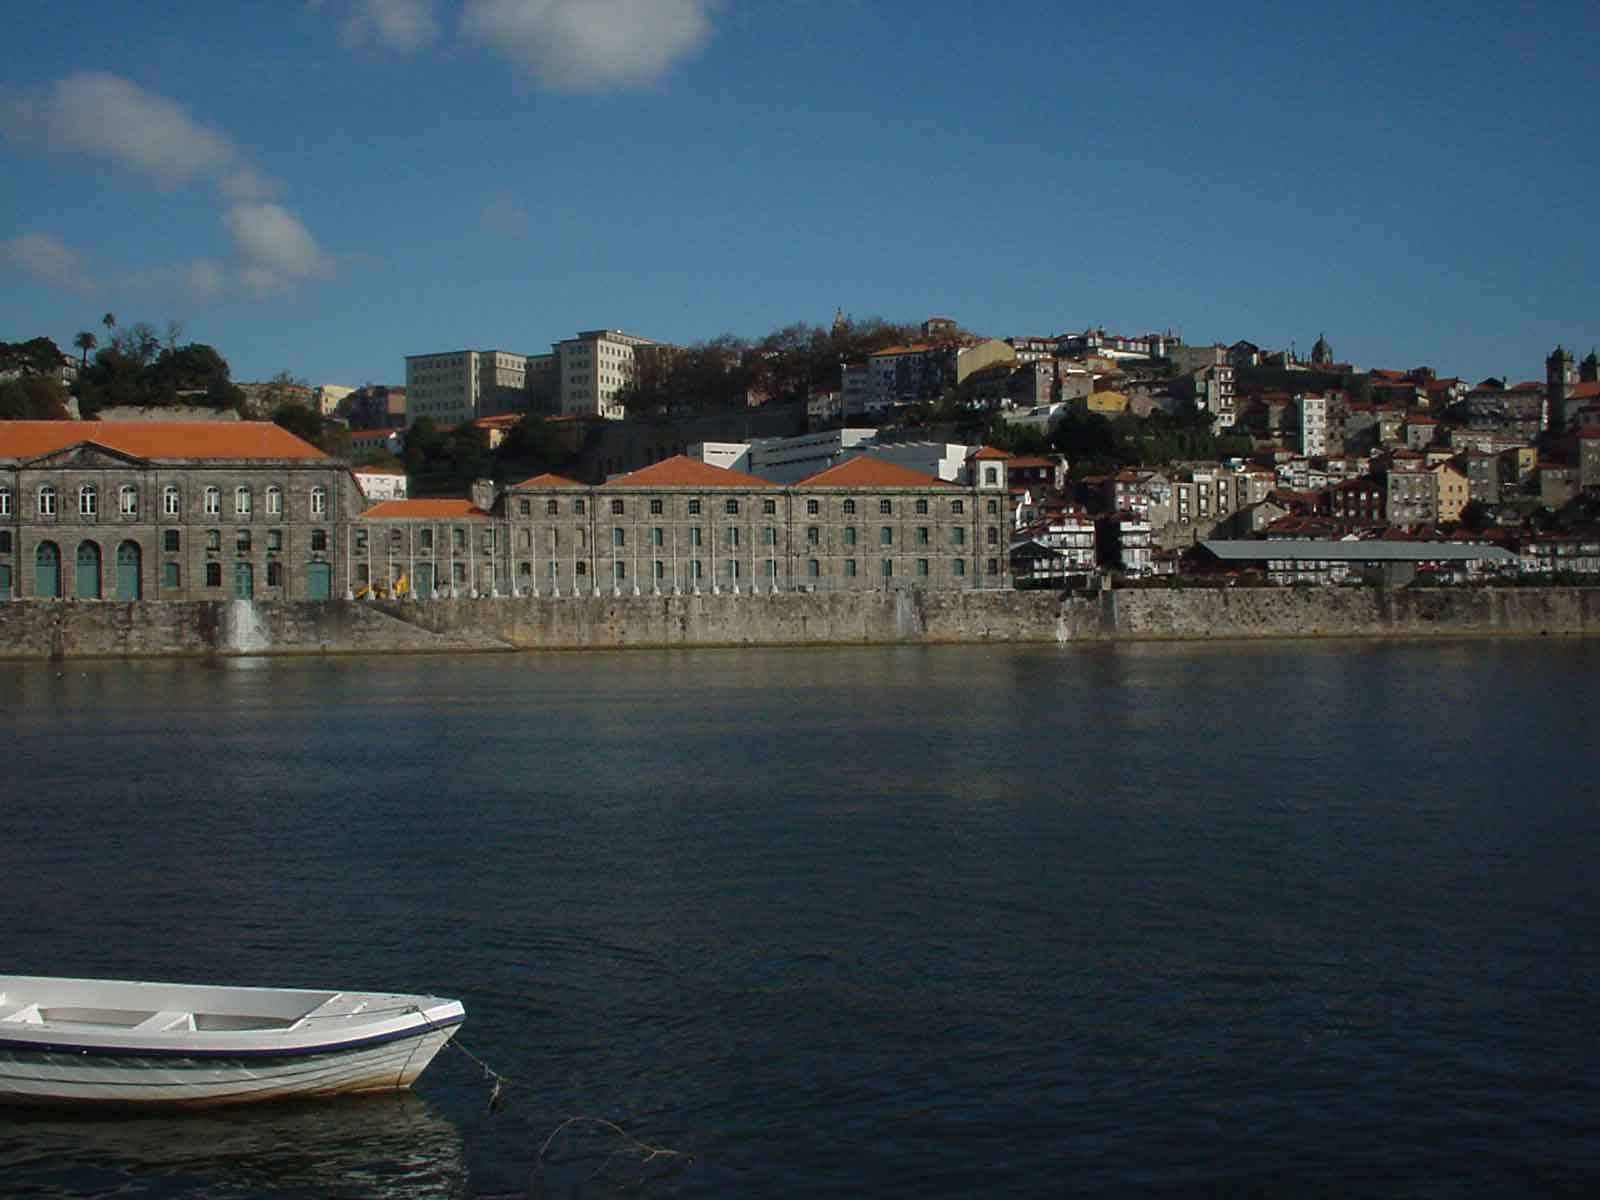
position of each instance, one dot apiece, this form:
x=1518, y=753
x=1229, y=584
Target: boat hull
x=53, y=1077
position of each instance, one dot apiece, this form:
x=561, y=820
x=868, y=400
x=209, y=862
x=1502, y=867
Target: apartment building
x=462, y=385
x=592, y=368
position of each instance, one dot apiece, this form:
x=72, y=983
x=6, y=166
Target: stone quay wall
x=88, y=629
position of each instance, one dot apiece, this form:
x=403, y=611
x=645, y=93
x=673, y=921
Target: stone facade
x=683, y=527
x=91, y=512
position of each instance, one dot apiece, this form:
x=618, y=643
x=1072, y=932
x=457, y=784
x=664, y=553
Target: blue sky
x=325, y=187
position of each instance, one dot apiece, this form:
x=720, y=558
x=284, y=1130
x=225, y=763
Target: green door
x=87, y=576
x=47, y=571
x=5, y=581
x=319, y=581
x=424, y=581
x=244, y=580
x=128, y=586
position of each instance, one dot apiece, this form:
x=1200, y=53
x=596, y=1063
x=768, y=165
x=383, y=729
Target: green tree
x=300, y=420
x=529, y=448
x=85, y=342
x=33, y=398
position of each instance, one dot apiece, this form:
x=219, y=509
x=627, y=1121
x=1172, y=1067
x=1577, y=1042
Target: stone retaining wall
x=35, y=629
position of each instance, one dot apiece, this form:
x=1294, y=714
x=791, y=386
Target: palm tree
x=86, y=342
x=109, y=321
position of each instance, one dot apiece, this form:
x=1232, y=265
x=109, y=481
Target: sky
x=326, y=186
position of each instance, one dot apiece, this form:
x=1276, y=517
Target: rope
x=497, y=1092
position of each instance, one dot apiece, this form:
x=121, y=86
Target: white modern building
x=1313, y=423
x=592, y=368
x=378, y=483
x=463, y=385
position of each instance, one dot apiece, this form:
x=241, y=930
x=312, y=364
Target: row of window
x=734, y=569
x=171, y=501
x=172, y=541
x=731, y=507
x=362, y=544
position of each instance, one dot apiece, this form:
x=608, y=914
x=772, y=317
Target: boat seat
x=162, y=1021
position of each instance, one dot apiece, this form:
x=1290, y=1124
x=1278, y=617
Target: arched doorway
x=244, y=581
x=86, y=579
x=47, y=571
x=129, y=586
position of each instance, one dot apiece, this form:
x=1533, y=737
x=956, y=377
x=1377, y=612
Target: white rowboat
x=114, y=1043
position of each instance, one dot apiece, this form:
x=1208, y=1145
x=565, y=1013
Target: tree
x=110, y=322
x=36, y=356
x=528, y=449
x=85, y=342
x=300, y=420
x=33, y=398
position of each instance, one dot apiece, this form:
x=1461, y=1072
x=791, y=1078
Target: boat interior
x=135, y=1020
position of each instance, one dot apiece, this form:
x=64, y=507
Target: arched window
x=213, y=500
x=171, y=500
x=88, y=500
x=849, y=507
x=550, y=508
x=47, y=501
x=241, y=501
x=274, y=501
x=319, y=500
x=128, y=500
x=5, y=502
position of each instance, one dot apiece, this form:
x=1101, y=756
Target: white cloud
x=591, y=45
x=405, y=24
x=95, y=112
x=275, y=249
x=48, y=259
x=244, y=182
x=502, y=214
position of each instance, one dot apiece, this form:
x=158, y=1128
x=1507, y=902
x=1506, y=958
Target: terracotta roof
x=683, y=471
x=868, y=472
x=1032, y=461
x=548, y=480
x=1584, y=391
x=424, y=510
x=988, y=452
x=157, y=439
x=379, y=470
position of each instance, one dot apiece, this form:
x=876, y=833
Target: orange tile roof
x=868, y=472
x=685, y=472
x=424, y=510
x=156, y=439
x=379, y=470
x=988, y=452
x=913, y=348
x=1584, y=391
x=548, y=480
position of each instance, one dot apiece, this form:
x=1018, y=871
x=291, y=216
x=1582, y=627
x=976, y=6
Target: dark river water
x=1305, y=919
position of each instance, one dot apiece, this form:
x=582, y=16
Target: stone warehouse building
x=169, y=511
x=683, y=526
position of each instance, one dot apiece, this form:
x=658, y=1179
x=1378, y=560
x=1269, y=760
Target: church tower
x=1322, y=353
x=1560, y=377
x=1589, y=369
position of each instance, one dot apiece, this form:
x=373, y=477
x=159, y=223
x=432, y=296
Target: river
x=1146, y=919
